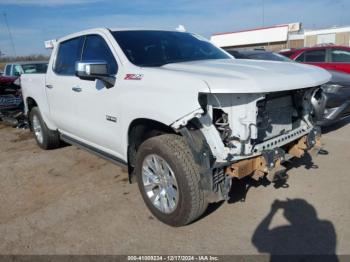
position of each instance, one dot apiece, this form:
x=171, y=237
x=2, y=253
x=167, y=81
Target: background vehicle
x=330, y=57
x=258, y=55
x=180, y=113
x=11, y=103
x=336, y=91
x=31, y=67
x=6, y=81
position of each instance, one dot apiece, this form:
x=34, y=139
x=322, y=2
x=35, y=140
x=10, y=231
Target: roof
x=252, y=36
x=249, y=30
x=316, y=47
x=328, y=31
x=105, y=30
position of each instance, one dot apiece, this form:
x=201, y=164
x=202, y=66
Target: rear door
x=340, y=59
x=59, y=83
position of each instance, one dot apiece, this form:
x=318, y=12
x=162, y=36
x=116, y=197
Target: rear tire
x=45, y=138
x=175, y=162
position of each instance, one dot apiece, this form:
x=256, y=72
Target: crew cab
x=182, y=115
x=330, y=57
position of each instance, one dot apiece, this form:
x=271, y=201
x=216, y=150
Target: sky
x=32, y=22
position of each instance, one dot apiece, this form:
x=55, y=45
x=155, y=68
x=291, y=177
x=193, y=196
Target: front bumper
x=269, y=162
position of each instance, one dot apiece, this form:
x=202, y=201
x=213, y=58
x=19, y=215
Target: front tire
x=45, y=138
x=169, y=180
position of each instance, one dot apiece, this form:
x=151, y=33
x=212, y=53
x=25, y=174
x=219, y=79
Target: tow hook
x=276, y=170
x=310, y=143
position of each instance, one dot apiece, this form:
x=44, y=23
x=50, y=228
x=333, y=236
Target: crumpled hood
x=252, y=76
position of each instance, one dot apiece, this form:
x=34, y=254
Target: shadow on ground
x=240, y=188
x=305, y=238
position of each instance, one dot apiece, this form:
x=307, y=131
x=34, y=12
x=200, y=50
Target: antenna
x=10, y=35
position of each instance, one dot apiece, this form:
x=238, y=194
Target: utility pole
x=10, y=35
x=263, y=13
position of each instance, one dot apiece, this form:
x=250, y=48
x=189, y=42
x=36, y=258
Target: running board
x=94, y=150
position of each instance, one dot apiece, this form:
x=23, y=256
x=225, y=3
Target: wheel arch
x=140, y=130
x=30, y=103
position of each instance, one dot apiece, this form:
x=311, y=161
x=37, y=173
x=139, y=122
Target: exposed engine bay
x=252, y=134
x=248, y=124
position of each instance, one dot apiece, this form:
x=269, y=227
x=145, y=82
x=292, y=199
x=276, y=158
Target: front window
x=157, y=48
x=96, y=49
x=69, y=52
x=315, y=56
x=340, y=56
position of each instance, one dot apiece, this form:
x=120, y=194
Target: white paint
x=165, y=94
x=264, y=35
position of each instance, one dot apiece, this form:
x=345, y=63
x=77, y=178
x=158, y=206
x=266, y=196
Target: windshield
x=157, y=48
x=39, y=68
x=269, y=56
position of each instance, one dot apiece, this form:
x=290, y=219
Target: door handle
x=76, y=89
x=49, y=86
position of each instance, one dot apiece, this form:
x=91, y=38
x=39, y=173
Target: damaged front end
x=237, y=135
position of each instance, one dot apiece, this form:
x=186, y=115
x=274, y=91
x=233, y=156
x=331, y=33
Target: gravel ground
x=67, y=201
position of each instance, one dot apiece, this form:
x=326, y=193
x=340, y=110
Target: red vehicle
x=330, y=57
x=7, y=80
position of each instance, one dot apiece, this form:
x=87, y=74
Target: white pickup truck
x=184, y=116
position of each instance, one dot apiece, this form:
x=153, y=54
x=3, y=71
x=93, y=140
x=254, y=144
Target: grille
x=275, y=116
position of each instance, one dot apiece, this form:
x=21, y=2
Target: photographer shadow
x=305, y=235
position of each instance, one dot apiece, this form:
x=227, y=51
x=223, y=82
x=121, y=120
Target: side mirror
x=94, y=70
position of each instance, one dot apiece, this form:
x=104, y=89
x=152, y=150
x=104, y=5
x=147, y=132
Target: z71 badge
x=133, y=77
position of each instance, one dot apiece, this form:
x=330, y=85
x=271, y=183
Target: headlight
x=203, y=101
x=318, y=101
x=331, y=88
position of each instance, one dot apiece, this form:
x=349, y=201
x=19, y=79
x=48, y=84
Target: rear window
x=34, y=68
x=340, y=56
x=8, y=70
